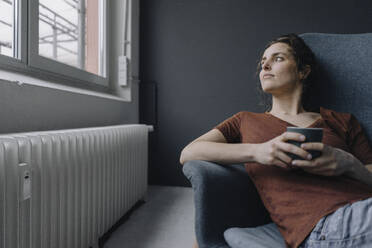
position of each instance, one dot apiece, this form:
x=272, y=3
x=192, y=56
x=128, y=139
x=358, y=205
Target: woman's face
x=279, y=72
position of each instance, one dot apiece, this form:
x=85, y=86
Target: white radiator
x=66, y=188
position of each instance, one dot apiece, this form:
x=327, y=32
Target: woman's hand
x=273, y=151
x=332, y=162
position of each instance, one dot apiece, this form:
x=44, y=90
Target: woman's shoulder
x=245, y=117
x=339, y=117
x=334, y=113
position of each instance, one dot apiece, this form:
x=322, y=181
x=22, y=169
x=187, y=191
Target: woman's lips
x=268, y=76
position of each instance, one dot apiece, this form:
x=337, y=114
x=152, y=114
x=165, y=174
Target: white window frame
x=30, y=62
x=20, y=20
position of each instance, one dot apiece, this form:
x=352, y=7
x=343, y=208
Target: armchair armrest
x=224, y=197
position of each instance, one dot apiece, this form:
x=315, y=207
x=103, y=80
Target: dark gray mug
x=311, y=134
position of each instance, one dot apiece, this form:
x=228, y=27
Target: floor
x=166, y=220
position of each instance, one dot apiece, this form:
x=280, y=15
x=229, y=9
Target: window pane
x=69, y=35
x=6, y=27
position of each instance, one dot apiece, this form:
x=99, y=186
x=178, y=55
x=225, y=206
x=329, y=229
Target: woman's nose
x=266, y=65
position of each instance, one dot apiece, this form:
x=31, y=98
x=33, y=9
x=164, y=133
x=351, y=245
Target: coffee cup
x=311, y=134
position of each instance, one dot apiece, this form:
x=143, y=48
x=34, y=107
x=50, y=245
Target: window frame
x=20, y=61
x=30, y=62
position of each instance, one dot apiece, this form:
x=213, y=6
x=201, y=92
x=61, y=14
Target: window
x=66, y=38
x=7, y=27
x=69, y=36
x=69, y=32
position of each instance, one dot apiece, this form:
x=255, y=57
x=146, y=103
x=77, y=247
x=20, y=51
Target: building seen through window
x=69, y=32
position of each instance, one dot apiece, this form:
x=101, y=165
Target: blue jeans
x=349, y=226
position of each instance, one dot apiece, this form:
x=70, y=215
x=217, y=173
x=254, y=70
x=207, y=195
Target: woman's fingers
x=280, y=163
x=292, y=136
x=303, y=163
x=283, y=157
x=287, y=147
x=313, y=146
x=316, y=163
x=279, y=149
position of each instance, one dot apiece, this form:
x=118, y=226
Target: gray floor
x=166, y=220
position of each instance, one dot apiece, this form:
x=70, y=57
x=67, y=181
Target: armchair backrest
x=344, y=81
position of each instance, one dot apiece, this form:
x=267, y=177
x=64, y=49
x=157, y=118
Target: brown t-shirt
x=295, y=199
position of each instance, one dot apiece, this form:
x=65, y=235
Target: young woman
x=321, y=202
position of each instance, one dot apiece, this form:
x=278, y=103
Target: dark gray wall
x=202, y=55
x=34, y=108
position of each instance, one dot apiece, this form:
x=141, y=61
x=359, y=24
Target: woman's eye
x=278, y=59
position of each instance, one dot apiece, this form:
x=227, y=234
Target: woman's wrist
x=250, y=152
x=359, y=172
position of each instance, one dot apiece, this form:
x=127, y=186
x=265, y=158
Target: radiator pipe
x=150, y=128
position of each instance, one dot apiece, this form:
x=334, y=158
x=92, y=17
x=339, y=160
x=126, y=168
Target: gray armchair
x=225, y=196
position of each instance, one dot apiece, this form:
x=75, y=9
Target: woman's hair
x=303, y=56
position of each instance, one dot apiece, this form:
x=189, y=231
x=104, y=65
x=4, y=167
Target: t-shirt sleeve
x=358, y=142
x=230, y=128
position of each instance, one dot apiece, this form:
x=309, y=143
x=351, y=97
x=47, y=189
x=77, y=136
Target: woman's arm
x=213, y=147
x=335, y=162
x=361, y=173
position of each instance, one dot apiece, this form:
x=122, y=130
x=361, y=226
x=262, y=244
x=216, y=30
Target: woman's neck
x=287, y=105
x=283, y=111
x=287, y=109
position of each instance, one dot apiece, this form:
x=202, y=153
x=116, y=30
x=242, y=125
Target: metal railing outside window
x=65, y=37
